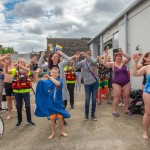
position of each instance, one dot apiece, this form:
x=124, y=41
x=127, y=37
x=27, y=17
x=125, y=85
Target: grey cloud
x=62, y=30
x=92, y=26
x=27, y=47
x=36, y=30
x=57, y=2
x=101, y=14
x=58, y=11
x=58, y=26
x=84, y=31
x=28, y=10
x=110, y=8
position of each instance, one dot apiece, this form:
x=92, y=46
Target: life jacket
x=21, y=80
x=70, y=73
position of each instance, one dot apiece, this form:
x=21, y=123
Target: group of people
x=15, y=74
x=56, y=81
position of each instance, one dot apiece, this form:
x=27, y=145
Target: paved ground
x=108, y=133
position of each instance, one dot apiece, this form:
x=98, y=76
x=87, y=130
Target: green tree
x=7, y=50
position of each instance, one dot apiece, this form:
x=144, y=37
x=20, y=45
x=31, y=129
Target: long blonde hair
x=22, y=60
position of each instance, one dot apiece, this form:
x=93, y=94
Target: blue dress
x=147, y=86
x=48, y=99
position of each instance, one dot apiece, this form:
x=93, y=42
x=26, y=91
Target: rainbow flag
x=50, y=47
x=58, y=47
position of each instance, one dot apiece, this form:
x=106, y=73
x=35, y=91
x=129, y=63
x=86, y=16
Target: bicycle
x=1, y=127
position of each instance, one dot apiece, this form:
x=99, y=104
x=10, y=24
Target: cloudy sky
x=25, y=24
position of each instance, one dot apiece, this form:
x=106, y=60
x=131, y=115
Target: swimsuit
x=147, y=86
x=121, y=76
x=144, y=79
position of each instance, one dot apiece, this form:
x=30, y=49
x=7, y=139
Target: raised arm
x=33, y=60
x=57, y=83
x=24, y=68
x=127, y=57
x=89, y=59
x=3, y=58
x=136, y=72
x=105, y=63
x=63, y=55
x=77, y=64
x=41, y=60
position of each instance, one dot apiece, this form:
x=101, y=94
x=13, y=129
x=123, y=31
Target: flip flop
x=116, y=114
x=129, y=113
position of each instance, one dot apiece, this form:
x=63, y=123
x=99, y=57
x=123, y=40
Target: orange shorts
x=55, y=115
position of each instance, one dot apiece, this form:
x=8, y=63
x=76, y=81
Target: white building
x=129, y=30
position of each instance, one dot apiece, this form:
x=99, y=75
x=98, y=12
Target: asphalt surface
x=108, y=133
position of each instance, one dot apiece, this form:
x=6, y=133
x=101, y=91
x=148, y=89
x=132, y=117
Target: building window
x=108, y=44
x=116, y=40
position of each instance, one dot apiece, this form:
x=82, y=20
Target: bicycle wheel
x=1, y=127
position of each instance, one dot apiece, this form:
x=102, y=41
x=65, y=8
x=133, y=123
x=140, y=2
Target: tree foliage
x=6, y=50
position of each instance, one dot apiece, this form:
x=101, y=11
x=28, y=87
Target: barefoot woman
x=146, y=94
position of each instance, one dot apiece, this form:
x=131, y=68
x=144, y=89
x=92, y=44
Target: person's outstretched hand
x=136, y=57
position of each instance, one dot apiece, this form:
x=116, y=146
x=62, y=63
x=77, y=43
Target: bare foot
x=23, y=109
x=145, y=136
x=63, y=134
x=14, y=109
x=51, y=136
x=8, y=117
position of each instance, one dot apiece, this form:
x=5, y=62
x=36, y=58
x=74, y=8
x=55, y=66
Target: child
x=49, y=100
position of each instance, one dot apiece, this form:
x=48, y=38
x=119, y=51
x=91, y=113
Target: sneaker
x=31, y=123
x=86, y=117
x=72, y=106
x=18, y=124
x=120, y=104
x=94, y=118
x=109, y=102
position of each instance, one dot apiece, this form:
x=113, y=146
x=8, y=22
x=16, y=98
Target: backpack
x=136, y=93
x=137, y=105
x=21, y=81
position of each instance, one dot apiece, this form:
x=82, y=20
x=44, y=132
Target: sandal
x=116, y=114
x=109, y=102
x=128, y=113
x=99, y=103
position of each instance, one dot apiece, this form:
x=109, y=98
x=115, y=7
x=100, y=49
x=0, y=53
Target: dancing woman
x=54, y=61
x=121, y=79
x=146, y=94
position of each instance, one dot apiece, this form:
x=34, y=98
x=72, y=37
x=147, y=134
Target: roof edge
x=127, y=10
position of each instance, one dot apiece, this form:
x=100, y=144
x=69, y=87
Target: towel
x=48, y=99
